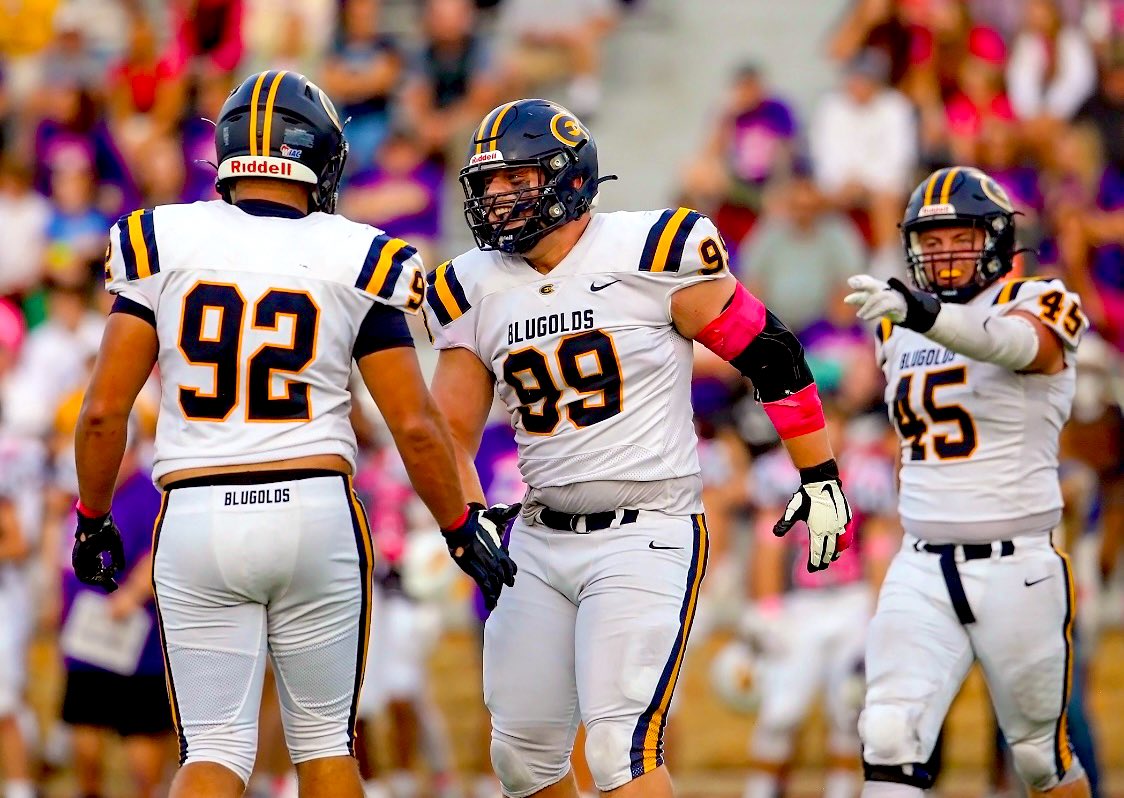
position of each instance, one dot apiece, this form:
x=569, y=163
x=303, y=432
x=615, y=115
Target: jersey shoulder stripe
x=445, y=294
x=884, y=330
x=383, y=265
x=1010, y=291
x=137, y=234
x=663, y=249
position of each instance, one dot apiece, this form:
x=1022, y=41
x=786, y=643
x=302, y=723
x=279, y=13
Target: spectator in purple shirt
x=400, y=192
x=751, y=143
x=98, y=702
x=73, y=131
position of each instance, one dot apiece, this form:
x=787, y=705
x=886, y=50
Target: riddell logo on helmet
x=260, y=167
x=485, y=157
x=943, y=209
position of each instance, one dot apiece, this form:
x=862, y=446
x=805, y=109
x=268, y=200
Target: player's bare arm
x=472, y=530
x=723, y=316
x=126, y=358
x=463, y=389
x=417, y=428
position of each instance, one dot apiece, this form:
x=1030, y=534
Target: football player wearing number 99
x=254, y=307
x=584, y=323
x=980, y=379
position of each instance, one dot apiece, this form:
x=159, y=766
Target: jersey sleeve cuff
x=383, y=327
x=122, y=304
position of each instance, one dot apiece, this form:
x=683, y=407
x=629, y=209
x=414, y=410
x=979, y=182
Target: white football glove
x=823, y=507
x=875, y=299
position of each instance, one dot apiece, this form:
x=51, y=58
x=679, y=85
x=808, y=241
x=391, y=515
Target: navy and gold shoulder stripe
x=445, y=294
x=383, y=265
x=663, y=249
x=884, y=329
x=138, y=244
x=1011, y=289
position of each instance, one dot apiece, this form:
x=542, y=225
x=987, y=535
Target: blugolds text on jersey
x=239, y=498
x=550, y=324
x=937, y=356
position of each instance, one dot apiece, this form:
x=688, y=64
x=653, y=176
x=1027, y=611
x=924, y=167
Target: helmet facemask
x=522, y=216
x=327, y=192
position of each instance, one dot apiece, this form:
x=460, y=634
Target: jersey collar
x=260, y=207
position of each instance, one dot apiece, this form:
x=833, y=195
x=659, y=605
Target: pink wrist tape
x=797, y=414
x=742, y=321
x=83, y=510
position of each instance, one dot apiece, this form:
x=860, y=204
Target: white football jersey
x=586, y=358
x=979, y=443
x=257, y=318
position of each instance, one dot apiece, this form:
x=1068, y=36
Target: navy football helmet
x=959, y=196
x=281, y=125
x=535, y=133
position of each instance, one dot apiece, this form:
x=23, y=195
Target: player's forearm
x=99, y=445
x=808, y=450
x=753, y=340
x=470, y=478
x=427, y=452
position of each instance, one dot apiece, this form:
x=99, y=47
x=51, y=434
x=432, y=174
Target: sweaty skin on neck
x=284, y=192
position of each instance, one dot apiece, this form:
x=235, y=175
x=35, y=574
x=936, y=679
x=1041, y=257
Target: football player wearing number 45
x=584, y=324
x=980, y=380
x=254, y=307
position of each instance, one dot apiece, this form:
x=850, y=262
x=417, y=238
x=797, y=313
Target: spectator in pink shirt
x=980, y=95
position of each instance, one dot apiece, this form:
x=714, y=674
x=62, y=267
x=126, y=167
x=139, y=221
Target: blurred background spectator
x=562, y=47
x=453, y=78
x=798, y=126
x=752, y=142
x=362, y=73
x=864, y=146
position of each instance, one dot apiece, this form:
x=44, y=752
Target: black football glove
x=98, y=555
x=478, y=550
x=820, y=504
x=921, y=309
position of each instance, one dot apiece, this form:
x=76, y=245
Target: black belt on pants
x=972, y=551
x=569, y=522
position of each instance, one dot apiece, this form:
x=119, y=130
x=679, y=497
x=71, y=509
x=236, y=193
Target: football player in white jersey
x=254, y=307
x=583, y=323
x=980, y=379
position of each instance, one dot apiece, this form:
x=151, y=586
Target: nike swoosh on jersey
x=596, y=287
x=652, y=545
x=1028, y=583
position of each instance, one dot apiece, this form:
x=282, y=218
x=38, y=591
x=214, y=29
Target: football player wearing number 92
x=254, y=307
x=980, y=379
x=584, y=324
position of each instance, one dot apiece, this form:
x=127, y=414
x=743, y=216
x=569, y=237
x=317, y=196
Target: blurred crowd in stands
x=105, y=108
